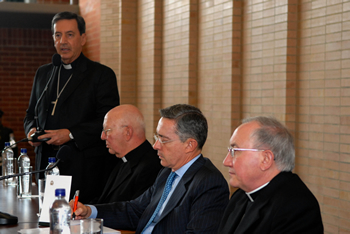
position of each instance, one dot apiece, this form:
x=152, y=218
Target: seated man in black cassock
x=138, y=167
x=270, y=198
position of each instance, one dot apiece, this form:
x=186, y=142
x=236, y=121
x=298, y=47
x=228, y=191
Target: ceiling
x=31, y=15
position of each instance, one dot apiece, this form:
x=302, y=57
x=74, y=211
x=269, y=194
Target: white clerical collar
x=124, y=159
x=255, y=190
x=67, y=66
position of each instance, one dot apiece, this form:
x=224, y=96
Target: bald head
x=124, y=129
x=128, y=115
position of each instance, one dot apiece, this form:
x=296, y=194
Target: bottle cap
x=52, y=159
x=60, y=192
x=23, y=150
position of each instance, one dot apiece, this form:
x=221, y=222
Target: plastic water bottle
x=25, y=181
x=60, y=214
x=55, y=170
x=8, y=165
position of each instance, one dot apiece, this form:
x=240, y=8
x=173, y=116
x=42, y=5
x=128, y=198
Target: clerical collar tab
x=67, y=66
x=252, y=194
x=124, y=159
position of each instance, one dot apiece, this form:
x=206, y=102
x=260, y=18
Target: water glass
x=41, y=192
x=91, y=226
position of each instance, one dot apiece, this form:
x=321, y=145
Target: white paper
x=53, y=182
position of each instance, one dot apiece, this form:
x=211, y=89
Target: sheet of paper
x=53, y=182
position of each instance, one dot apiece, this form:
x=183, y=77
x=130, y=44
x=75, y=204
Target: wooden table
x=25, y=209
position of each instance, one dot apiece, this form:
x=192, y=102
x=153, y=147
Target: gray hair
x=190, y=122
x=276, y=137
x=69, y=15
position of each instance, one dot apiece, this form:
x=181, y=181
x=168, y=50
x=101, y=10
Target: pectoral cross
x=54, y=107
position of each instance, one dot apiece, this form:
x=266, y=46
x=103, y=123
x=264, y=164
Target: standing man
x=188, y=196
x=138, y=163
x=270, y=198
x=72, y=108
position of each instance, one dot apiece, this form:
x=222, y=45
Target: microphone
x=56, y=62
x=63, y=154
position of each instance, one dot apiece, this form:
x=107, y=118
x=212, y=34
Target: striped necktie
x=166, y=191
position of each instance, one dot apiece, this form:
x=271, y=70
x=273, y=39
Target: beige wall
x=234, y=59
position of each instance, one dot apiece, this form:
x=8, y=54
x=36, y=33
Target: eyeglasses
x=157, y=138
x=232, y=150
x=106, y=131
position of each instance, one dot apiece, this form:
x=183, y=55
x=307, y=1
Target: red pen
x=76, y=198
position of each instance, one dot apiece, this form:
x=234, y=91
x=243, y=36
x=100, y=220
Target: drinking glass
x=91, y=226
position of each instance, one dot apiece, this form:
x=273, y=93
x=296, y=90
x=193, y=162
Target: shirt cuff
x=93, y=212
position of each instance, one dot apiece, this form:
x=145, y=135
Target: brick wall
x=22, y=51
x=323, y=108
x=233, y=59
x=91, y=12
x=53, y=1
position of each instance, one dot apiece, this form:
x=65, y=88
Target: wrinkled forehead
x=66, y=25
x=243, y=135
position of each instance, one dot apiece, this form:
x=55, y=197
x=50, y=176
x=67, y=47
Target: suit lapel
x=47, y=96
x=50, y=88
x=181, y=188
x=158, y=191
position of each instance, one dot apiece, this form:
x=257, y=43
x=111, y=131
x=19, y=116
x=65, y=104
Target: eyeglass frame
x=157, y=138
x=109, y=129
x=106, y=131
x=232, y=150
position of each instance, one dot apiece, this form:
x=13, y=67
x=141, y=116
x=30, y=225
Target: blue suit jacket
x=196, y=206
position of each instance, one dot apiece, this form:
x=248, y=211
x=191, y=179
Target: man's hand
x=58, y=137
x=29, y=136
x=82, y=211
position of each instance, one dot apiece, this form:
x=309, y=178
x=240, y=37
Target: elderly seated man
x=270, y=198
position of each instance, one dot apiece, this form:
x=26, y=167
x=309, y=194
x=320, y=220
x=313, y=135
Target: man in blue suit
x=198, y=194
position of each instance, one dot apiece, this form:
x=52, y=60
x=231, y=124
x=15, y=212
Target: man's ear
x=83, y=39
x=191, y=145
x=128, y=131
x=268, y=159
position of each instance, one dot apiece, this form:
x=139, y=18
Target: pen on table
x=75, y=198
